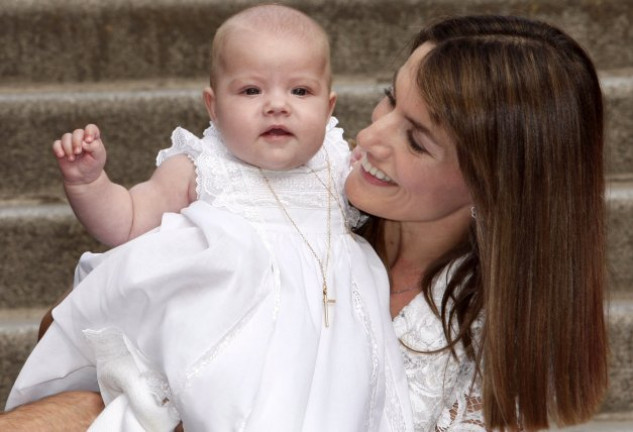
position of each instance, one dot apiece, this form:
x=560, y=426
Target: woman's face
x=407, y=168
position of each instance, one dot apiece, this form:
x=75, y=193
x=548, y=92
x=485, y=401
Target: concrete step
x=41, y=245
x=602, y=424
x=43, y=241
x=97, y=40
x=18, y=333
x=137, y=118
x=620, y=235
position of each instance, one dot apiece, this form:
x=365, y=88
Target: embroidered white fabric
x=443, y=395
x=248, y=189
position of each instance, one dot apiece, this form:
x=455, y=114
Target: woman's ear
x=209, y=101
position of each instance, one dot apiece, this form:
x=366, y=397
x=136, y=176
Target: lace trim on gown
x=247, y=190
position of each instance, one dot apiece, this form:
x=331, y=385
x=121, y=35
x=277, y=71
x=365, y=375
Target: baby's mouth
x=276, y=131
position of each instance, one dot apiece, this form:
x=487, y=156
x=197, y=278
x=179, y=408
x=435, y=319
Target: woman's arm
x=64, y=412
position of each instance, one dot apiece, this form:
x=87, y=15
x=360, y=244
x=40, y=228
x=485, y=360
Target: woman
x=484, y=164
x=483, y=169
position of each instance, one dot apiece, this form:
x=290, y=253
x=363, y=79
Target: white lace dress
x=216, y=317
x=443, y=396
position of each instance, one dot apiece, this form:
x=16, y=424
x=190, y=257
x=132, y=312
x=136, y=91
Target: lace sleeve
x=469, y=416
x=465, y=415
x=182, y=142
x=445, y=396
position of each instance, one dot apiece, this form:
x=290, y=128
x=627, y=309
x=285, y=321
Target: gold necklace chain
x=405, y=290
x=326, y=301
x=329, y=190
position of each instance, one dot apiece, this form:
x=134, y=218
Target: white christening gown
x=216, y=317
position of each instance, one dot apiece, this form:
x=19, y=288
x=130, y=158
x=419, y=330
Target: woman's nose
x=381, y=109
x=376, y=138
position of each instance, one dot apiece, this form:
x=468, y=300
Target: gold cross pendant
x=326, y=302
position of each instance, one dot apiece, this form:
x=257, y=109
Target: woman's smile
x=375, y=173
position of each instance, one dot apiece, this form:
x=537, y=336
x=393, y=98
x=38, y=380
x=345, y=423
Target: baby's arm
x=110, y=212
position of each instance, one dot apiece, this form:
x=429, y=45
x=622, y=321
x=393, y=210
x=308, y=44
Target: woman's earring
x=473, y=212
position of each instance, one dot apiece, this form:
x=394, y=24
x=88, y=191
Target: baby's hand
x=81, y=155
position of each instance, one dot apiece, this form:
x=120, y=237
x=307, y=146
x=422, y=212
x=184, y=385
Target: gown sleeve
x=182, y=142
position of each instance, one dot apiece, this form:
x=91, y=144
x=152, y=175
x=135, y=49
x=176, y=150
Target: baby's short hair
x=273, y=19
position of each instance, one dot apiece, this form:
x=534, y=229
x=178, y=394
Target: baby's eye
x=300, y=91
x=251, y=91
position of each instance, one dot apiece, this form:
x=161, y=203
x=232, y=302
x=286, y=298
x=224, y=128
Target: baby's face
x=271, y=99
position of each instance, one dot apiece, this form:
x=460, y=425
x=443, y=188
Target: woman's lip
x=373, y=173
x=368, y=178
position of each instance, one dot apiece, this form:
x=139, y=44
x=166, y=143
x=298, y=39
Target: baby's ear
x=332, y=101
x=209, y=101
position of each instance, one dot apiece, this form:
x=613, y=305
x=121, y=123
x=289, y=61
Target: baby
x=255, y=307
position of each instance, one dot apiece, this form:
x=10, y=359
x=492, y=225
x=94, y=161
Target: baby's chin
x=286, y=162
x=276, y=164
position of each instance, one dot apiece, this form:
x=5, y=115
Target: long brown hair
x=523, y=104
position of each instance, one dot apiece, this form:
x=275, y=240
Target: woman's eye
x=415, y=145
x=251, y=91
x=390, y=96
x=300, y=91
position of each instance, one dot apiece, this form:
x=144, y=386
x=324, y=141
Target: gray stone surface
x=618, y=91
x=95, y=40
x=601, y=426
x=620, y=236
x=41, y=245
x=18, y=334
x=619, y=398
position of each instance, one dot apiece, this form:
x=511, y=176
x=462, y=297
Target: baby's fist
x=81, y=154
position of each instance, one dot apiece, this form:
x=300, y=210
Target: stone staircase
x=137, y=68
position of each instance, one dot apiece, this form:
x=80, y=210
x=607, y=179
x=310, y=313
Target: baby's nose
x=277, y=104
